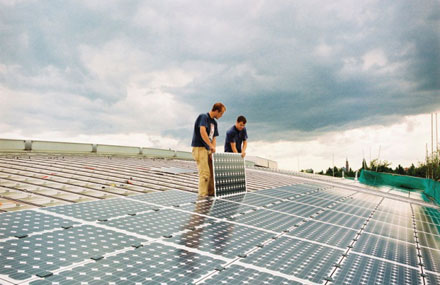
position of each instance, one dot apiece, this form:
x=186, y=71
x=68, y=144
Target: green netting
x=430, y=187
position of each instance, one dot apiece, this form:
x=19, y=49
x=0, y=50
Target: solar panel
x=252, y=199
x=21, y=223
x=325, y=233
x=299, y=258
x=431, y=259
x=390, y=249
x=167, y=198
x=100, y=210
x=173, y=237
x=341, y=219
x=269, y=220
x=41, y=254
x=279, y=194
x=236, y=274
x=428, y=227
x=432, y=279
x=429, y=240
x=223, y=238
x=303, y=210
x=390, y=230
x=364, y=270
x=229, y=174
x=218, y=208
x=150, y=264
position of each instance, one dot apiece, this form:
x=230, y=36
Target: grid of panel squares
x=229, y=174
x=277, y=236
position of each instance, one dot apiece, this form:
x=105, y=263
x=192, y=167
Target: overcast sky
x=315, y=79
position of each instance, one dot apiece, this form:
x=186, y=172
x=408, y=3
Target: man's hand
x=212, y=149
x=243, y=154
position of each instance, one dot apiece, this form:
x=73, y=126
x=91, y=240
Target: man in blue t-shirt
x=236, y=137
x=203, y=145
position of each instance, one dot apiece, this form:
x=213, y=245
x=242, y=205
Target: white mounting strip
x=9, y=281
x=7, y=239
x=432, y=272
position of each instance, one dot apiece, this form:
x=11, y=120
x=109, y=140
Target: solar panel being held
x=229, y=174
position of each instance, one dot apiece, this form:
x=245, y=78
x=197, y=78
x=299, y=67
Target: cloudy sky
x=316, y=79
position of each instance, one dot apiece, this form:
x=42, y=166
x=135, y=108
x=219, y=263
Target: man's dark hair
x=218, y=107
x=241, y=119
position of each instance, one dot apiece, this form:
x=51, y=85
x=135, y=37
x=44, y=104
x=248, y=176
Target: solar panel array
x=44, y=180
x=229, y=174
x=296, y=234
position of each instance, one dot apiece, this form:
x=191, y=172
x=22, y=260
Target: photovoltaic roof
x=300, y=233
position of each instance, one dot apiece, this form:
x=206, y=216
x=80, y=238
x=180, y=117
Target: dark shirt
x=235, y=136
x=211, y=128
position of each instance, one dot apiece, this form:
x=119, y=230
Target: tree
x=400, y=170
x=412, y=170
x=329, y=172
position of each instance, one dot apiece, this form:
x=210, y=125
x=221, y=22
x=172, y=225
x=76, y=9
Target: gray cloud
x=294, y=69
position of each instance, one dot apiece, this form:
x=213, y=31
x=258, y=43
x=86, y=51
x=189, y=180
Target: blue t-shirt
x=211, y=129
x=235, y=136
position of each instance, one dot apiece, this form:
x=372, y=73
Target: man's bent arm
x=243, y=151
x=234, y=147
x=205, y=137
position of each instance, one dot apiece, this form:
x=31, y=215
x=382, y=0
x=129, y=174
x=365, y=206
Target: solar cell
x=427, y=215
x=44, y=253
x=391, y=249
x=428, y=228
x=278, y=194
x=299, y=258
x=302, y=210
x=299, y=188
x=163, y=222
x=432, y=279
x=151, y=264
x=101, y=209
x=358, y=269
x=387, y=217
x=390, y=230
x=229, y=174
x=341, y=219
x=353, y=210
x=429, y=240
x=251, y=199
x=269, y=220
x=431, y=259
x=312, y=200
x=236, y=274
x=25, y=222
x=223, y=238
x=325, y=233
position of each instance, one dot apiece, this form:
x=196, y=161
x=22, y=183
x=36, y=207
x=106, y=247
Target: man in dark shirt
x=236, y=137
x=203, y=145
